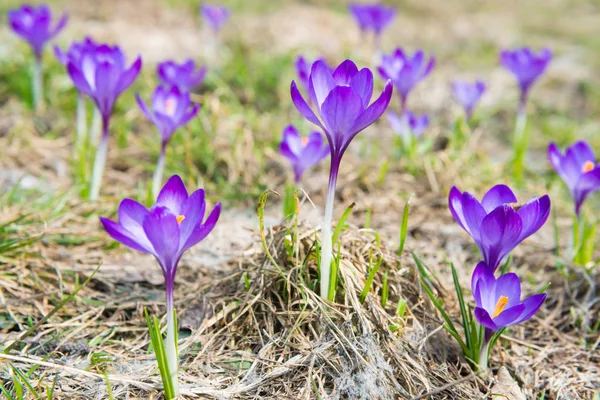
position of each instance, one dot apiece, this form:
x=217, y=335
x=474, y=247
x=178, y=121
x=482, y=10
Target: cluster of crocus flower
x=408, y=127
x=174, y=224
x=34, y=25
x=341, y=99
x=497, y=226
x=101, y=73
x=527, y=67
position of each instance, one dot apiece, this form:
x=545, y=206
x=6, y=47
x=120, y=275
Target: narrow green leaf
x=369, y=281
x=341, y=223
x=463, y=308
x=404, y=225
x=384, y=290
x=401, y=308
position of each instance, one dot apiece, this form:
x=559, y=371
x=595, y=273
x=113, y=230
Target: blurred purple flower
x=184, y=75
x=170, y=109
x=341, y=100
x=372, y=17
x=101, y=73
x=494, y=224
x=302, y=152
x=468, y=95
x=578, y=168
x=405, y=71
x=303, y=71
x=33, y=25
x=408, y=123
x=498, y=301
x=75, y=51
x=526, y=66
x=215, y=15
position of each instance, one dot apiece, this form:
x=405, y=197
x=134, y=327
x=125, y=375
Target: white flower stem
x=158, y=173
x=37, y=85
x=483, y=356
x=326, y=234
x=81, y=121
x=171, y=344
x=99, y=163
x=520, y=140
x=96, y=127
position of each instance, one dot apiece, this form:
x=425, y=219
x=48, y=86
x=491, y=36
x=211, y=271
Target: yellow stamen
x=180, y=218
x=587, y=166
x=502, y=302
x=170, y=106
x=304, y=141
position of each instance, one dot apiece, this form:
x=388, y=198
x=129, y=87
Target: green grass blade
x=404, y=225
x=369, y=282
x=341, y=223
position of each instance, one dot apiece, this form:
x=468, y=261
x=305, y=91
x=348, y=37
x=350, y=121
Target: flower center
x=170, y=106
x=180, y=218
x=304, y=141
x=502, y=302
x=587, y=166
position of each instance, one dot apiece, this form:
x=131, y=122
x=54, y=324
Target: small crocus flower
x=495, y=223
x=526, y=66
x=468, y=95
x=171, y=109
x=498, y=301
x=578, y=168
x=408, y=123
x=302, y=152
x=372, y=17
x=341, y=100
x=33, y=24
x=101, y=74
x=167, y=230
x=405, y=71
x=185, y=75
x=215, y=15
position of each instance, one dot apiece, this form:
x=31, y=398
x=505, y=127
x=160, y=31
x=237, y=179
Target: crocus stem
x=96, y=126
x=171, y=340
x=158, y=173
x=99, y=162
x=483, y=355
x=326, y=244
x=37, y=85
x=81, y=121
x=520, y=139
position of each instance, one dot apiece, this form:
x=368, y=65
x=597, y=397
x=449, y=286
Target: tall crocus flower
x=185, y=75
x=578, y=168
x=74, y=54
x=33, y=24
x=372, y=17
x=405, y=71
x=167, y=230
x=101, y=74
x=171, y=109
x=527, y=67
x=215, y=15
x=498, y=303
x=468, y=95
x=341, y=100
x=302, y=152
x=495, y=224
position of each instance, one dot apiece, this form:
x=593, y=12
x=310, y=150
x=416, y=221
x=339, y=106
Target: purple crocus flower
x=372, y=17
x=498, y=301
x=185, y=75
x=468, y=95
x=302, y=152
x=405, y=71
x=494, y=224
x=171, y=109
x=526, y=66
x=578, y=168
x=303, y=71
x=341, y=100
x=101, y=74
x=408, y=123
x=172, y=226
x=33, y=24
x=215, y=15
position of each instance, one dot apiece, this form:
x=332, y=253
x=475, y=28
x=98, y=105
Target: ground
x=253, y=328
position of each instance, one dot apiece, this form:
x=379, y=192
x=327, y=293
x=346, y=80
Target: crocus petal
x=555, y=157
x=303, y=106
x=509, y=316
x=586, y=185
x=508, y=285
x=534, y=214
x=321, y=83
x=202, y=230
x=173, y=195
x=375, y=110
x=339, y=112
x=496, y=196
x=484, y=318
x=362, y=83
x=344, y=73
x=472, y=214
x=129, y=76
x=145, y=110
x=131, y=216
x=121, y=235
x=59, y=26
x=532, y=305
x=481, y=274
x=163, y=232
x=500, y=232
x=78, y=79
x=193, y=212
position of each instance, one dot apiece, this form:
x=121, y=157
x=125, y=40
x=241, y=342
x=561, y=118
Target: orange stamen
x=180, y=218
x=304, y=141
x=587, y=166
x=170, y=106
x=502, y=302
